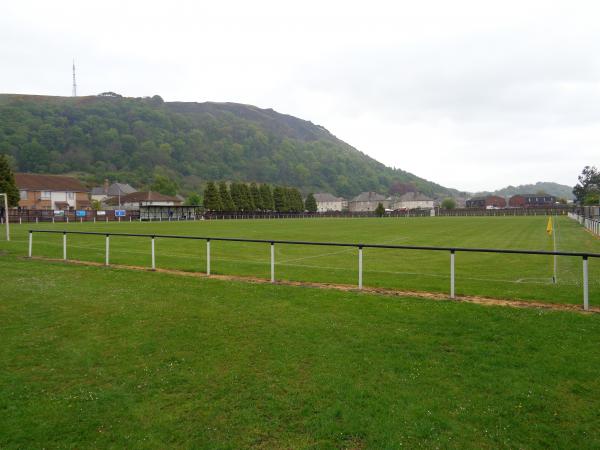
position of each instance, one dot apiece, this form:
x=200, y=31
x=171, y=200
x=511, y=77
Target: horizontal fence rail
x=451, y=250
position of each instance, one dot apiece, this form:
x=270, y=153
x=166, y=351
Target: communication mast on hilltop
x=74, y=92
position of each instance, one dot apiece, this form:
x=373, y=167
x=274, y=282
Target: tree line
x=241, y=197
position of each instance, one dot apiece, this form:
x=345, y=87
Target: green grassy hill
x=548, y=187
x=132, y=139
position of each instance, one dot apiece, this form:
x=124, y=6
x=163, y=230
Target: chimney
x=106, y=186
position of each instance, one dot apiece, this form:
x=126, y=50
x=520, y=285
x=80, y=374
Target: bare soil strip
x=349, y=288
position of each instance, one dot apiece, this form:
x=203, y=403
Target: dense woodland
x=140, y=140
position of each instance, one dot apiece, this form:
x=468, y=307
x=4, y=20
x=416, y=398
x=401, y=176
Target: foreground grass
x=493, y=275
x=95, y=357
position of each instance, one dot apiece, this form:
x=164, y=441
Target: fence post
x=272, y=262
x=30, y=242
x=106, y=262
x=208, y=257
x=153, y=255
x=65, y=245
x=360, y=267
x=451, y=273
x=586, y=300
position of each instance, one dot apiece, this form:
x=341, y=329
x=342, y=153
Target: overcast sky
x=474, y=95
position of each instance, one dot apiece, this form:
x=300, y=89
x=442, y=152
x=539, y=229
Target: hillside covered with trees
x=135, y=140
x=558, y=190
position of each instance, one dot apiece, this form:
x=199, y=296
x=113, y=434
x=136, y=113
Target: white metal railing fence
x=451, y=250
x=590, y=224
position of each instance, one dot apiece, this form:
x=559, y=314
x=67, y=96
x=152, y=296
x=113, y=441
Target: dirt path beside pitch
x=349, y=288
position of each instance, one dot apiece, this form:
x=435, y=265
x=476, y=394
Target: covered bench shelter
x=166, y=212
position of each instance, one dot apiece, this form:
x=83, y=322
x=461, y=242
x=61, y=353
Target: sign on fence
x=59, y=213
x=100, y=213
x=120, y=213
x=80, y=213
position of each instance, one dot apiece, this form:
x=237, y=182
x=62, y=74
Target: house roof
x=327, y=197
x=36, y=182
x=368, y=197
x=138, y=197
x=122, y=188
x=414, y=197
x=114, y=190
x=97, y=191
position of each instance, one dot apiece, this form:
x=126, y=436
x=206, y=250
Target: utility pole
x=74, y=92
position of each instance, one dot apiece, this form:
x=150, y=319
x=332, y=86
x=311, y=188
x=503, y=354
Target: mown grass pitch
x=492, y=275
x=107, y=358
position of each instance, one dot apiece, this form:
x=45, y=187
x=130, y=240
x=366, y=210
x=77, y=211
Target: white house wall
x=329, y=206
x=61, y=196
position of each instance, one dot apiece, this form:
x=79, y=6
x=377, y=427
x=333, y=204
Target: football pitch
x=524, y=277
x=96, y=357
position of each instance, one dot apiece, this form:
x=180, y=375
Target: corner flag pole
x=550, y=230
x=554, y=241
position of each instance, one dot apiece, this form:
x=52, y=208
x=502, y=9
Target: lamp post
x=6, y=216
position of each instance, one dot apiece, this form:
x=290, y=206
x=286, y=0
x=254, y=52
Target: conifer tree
x=256, y=199
x=266, y=197
x=279, y=199
x=7, y=183
x=236, y=196
x=226, y=199
x=247, y=198
x=311, y=203
x=212, y=199
x=290, y=200
x=295, y=200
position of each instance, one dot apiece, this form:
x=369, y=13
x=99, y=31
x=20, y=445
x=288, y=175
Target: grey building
x=367, y=201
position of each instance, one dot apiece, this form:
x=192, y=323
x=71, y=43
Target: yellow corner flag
x=549, y=226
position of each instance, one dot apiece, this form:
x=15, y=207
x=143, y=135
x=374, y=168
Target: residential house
x=134, y=200
x=490, y=201
x=52, y=192
x=327, y=202
x=531, y=200
x=367, y=201
x=413, y=200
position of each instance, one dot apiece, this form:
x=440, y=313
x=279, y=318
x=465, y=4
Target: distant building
x=367, y=201
x=490, y=201
x=137, y=199
x=52, y=192
x=529, y=200
x=412, y=200
x=114, y=190
x=461, y=202
x=327, y=202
